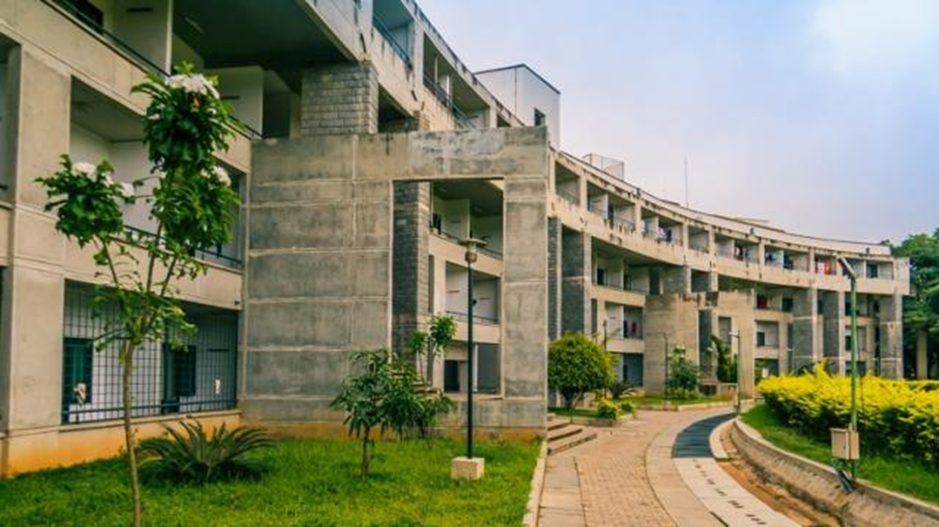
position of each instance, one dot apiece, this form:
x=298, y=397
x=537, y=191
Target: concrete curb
x=533, y=508
x=667, y=407
x=818, y=485
x=600, y=422
x=717, y=448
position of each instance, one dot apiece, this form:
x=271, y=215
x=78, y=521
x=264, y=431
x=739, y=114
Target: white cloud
x=875, y=37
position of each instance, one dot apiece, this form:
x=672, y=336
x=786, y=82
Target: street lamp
x=469, y=467
x=850, y=446
x=665, y=336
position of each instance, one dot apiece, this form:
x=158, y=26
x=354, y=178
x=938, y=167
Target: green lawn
x=310, y=483
x=576, y=412
x=659, y=400
x=901, y=475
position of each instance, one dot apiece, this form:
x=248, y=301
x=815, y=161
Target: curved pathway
x=637, y=475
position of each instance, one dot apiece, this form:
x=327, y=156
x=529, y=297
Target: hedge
x=895, y=418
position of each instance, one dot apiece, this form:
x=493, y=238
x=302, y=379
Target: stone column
x=554, y=277
x=577, y=272
x=339, y=99
x=922, y=355
x=676, y=280
x=833, y=341
x=806, y=349
x=410, y=287
x=891, y=336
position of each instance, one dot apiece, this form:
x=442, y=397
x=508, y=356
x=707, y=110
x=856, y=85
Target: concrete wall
x=320, y=266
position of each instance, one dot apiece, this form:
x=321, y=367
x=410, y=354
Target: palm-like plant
x=193, y=454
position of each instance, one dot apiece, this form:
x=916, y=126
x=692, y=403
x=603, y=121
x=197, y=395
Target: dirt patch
x=778, y=498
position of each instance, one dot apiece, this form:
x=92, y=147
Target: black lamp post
x=472, y=250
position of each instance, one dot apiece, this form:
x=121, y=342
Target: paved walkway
x=625, y=477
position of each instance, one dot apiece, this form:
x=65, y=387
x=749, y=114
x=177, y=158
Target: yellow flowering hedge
x=895, y=417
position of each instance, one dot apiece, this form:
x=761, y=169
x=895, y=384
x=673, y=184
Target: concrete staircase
x=562, y=435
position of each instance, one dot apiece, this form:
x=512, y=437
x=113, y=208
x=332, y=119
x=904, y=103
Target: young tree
x=577, y=365
x=191, y=203
x=426, y=345
x=726, y=362
x=683, y=375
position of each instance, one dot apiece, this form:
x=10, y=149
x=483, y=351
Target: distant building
x=527, y=95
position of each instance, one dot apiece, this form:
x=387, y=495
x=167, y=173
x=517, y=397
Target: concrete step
x=565, y=431
x=552, y=417
x=570, y=442
x=556, y=424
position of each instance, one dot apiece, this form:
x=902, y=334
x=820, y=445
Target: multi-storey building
x=369, y=152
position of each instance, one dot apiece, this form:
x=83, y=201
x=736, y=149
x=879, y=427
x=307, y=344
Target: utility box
x=845, y=444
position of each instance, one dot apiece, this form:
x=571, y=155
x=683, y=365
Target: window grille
x=198, y=377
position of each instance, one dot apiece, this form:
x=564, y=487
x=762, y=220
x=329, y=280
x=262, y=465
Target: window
x=451, y=376
x=762, y=302
x=872, y=271
x=76, y=374
x=787, y=304
x=760, y=339
x=180, y=375
x=601, y=276
x=539, y=118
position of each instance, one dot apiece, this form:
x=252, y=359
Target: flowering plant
x=185, y=125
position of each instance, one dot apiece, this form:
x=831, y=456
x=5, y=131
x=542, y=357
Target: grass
x=659, y=400
x=310, y=483
x=576, y=412
x=901, y=475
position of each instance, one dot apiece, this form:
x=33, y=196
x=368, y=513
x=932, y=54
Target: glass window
x=77, y=371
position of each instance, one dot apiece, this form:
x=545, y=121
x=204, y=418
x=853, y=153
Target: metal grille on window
x=198, y=376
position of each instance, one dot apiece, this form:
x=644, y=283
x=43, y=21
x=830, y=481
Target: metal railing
x=70, y=12
x=216, y=255
x=395, y=45
x=447, y=236
x=476, y=318
x=462, y=121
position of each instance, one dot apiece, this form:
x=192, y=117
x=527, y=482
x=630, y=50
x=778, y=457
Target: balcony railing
x=458, y=315
x=628, y=288
x=217, y=255
x=395, y=45
x=446, y=235
x=462, y=121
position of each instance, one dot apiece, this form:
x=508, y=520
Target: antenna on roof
x=686, y=182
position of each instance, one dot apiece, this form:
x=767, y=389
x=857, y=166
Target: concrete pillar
x=576, y=271
x=411, y=238
x=676, y=280
x=318, y=274
x=806, y=343
x=33, y=285
x=833, y=340
x=339, y=99
x=554, y=277
x=524, y=297
x=673, y=318
x=891, y=337
x=922, y=355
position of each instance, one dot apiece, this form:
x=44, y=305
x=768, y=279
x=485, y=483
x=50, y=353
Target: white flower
x=84, y=168
x=127, y=190
x=222, y=175
x=108, y=180
x=197, y=83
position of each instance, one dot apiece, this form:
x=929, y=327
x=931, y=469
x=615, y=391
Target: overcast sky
x=821, y=117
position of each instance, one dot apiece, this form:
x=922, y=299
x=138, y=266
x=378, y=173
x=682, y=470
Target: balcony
x=223, y=255
x=392, y=41
x=462, y=121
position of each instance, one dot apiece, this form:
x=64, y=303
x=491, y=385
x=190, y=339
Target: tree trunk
x=130, y=442
x=363, y=468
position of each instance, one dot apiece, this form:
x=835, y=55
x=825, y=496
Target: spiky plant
x=190, y=453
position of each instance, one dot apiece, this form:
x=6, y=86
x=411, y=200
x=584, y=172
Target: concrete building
x=371, y=151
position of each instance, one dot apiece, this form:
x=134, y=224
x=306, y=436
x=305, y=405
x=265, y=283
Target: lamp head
x=472, y=246
x=848, y=270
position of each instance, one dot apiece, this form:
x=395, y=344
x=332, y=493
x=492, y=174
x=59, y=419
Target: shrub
x=895, y=417
x=577, y=365
x=607, y=409
x=682, y=374
x=620, y=389
x=193, y=455
x=627, y=406
x=726, y=362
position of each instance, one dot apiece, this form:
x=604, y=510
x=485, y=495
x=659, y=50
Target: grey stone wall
x=834, y=322
x=805, y=339
x=339, y=99
x=410, y=265
x=676, y=280
x=891, y=337
x=554, y=278
x=576, y=270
